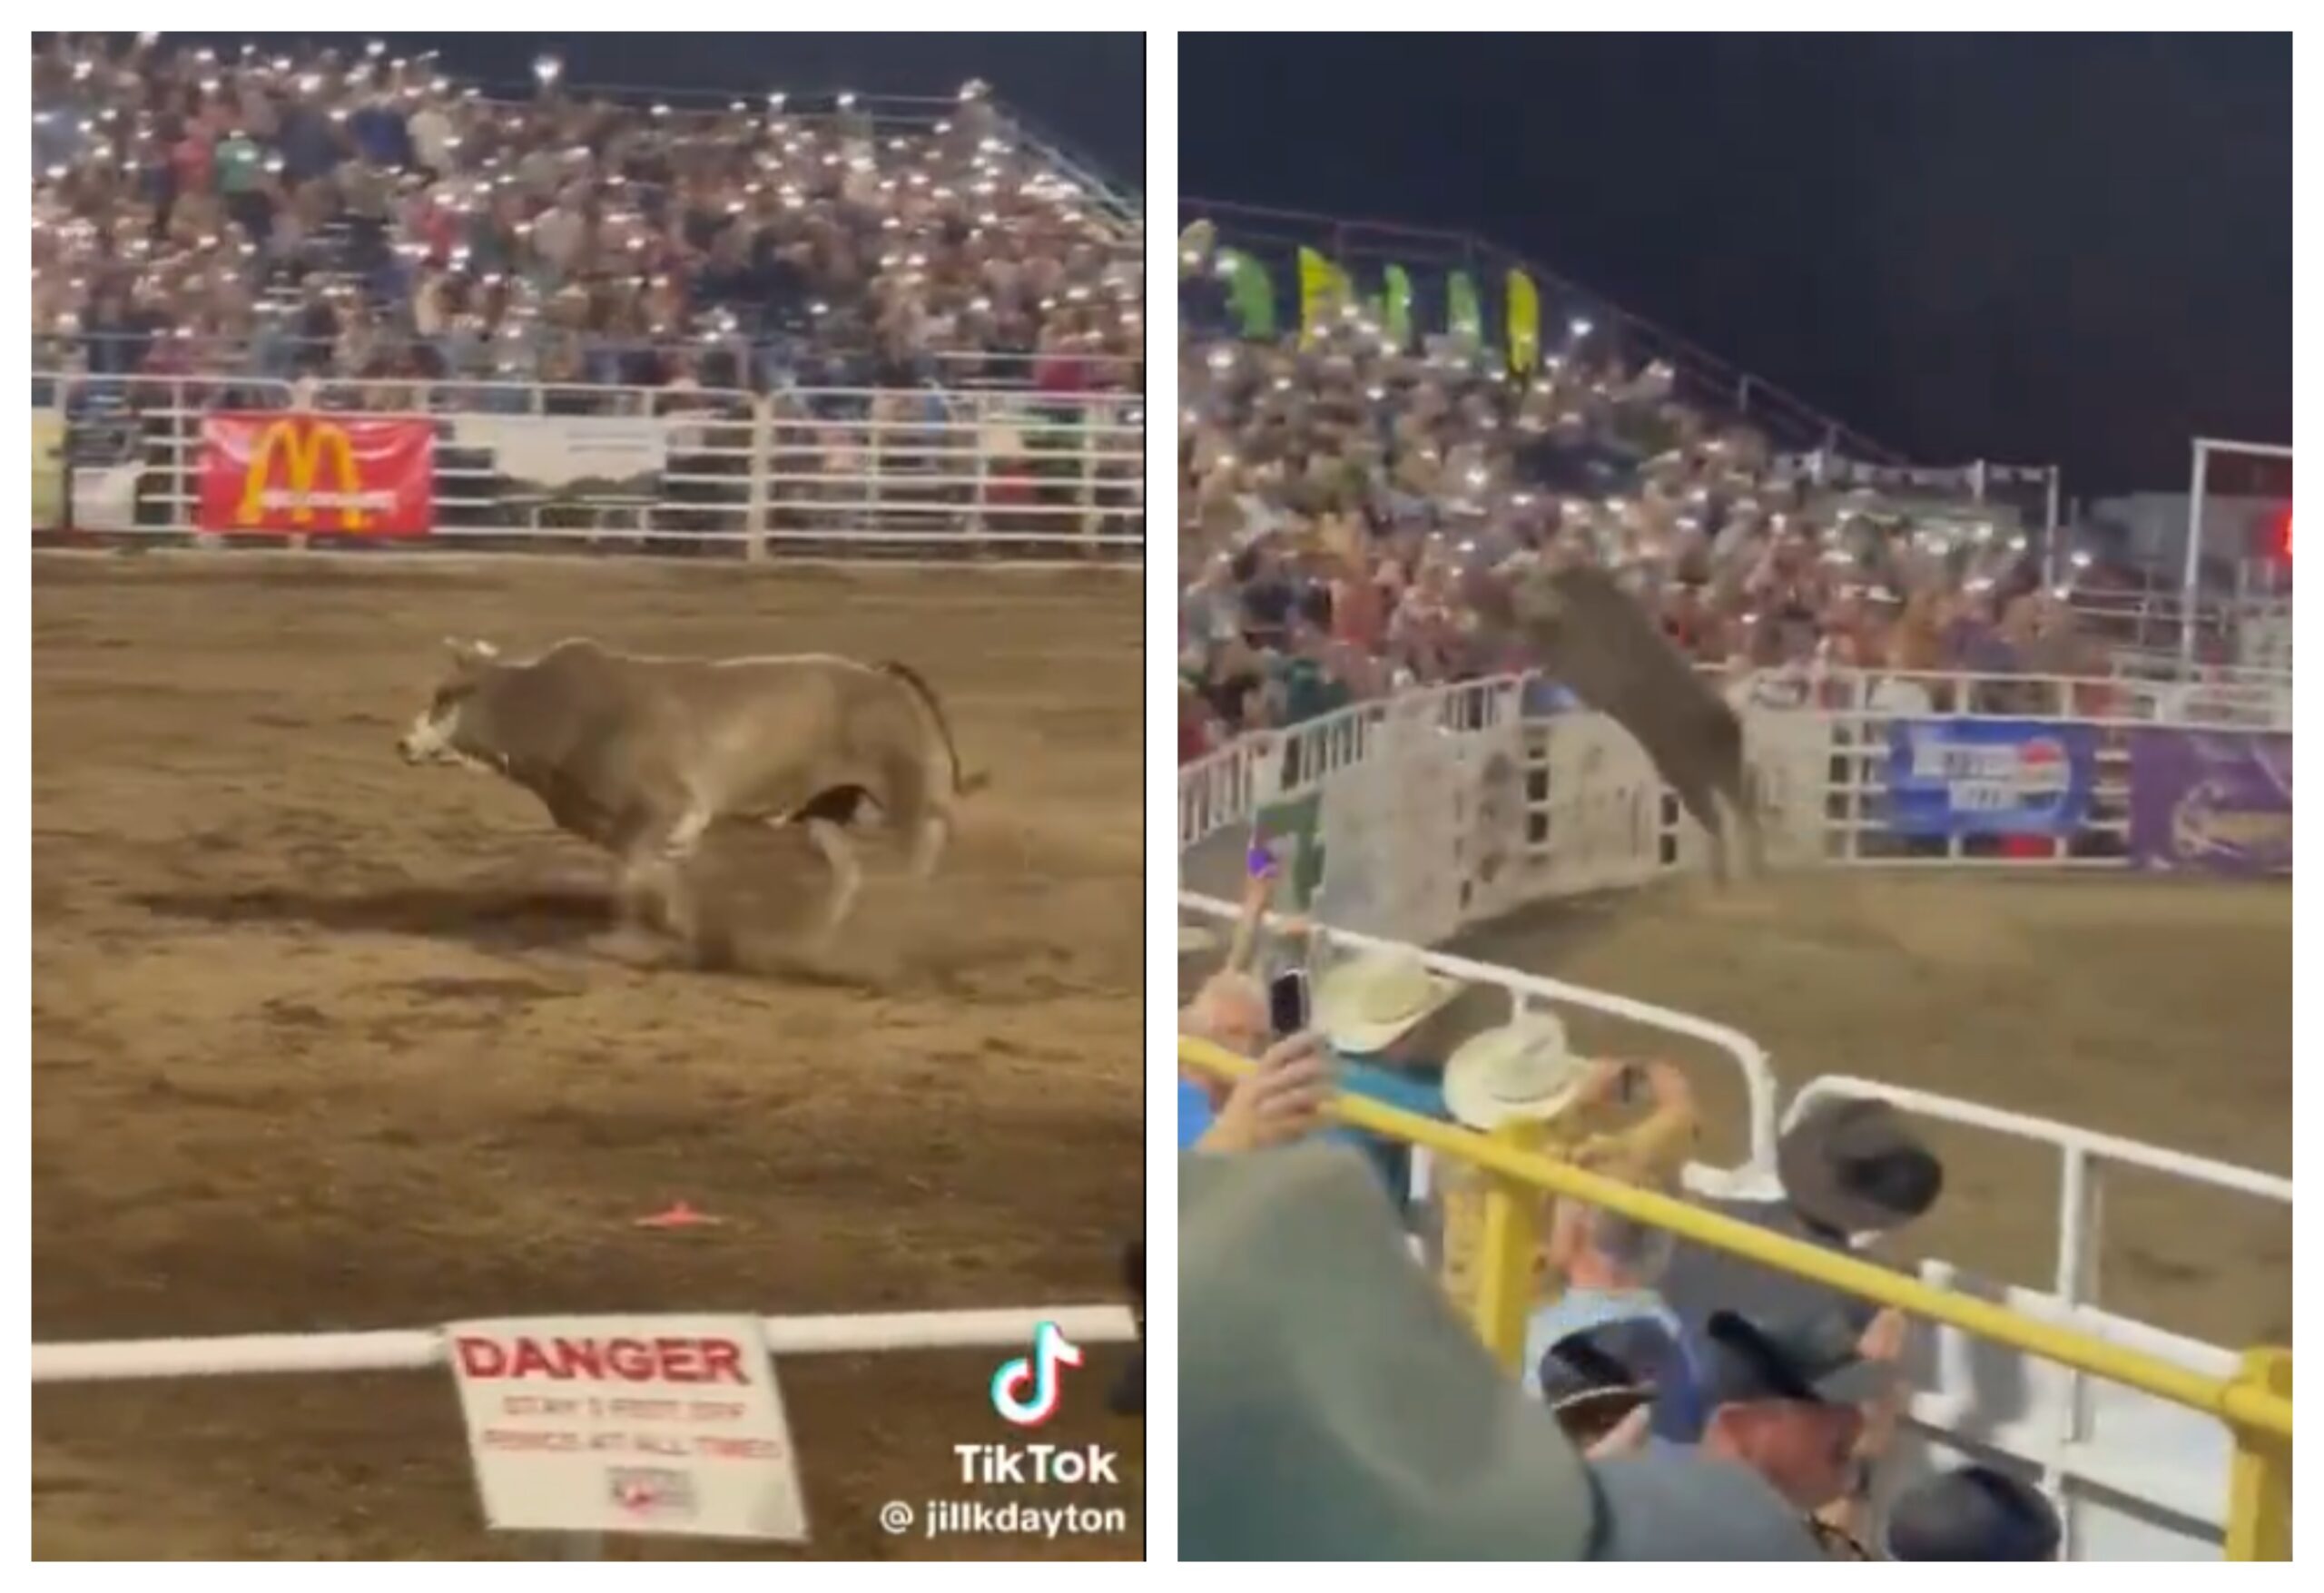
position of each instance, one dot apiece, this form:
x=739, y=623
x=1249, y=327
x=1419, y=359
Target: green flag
x=1397, y=315
x=1250, y=292
x=1464, y=317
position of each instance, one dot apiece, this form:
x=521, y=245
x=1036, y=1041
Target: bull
x=642, y=756
x=1593, y=638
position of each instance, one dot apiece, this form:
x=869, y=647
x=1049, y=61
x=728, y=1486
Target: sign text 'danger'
x=624, y=1359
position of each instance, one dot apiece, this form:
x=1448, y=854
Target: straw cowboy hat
x=1370, y=1002
x=1523, y=1070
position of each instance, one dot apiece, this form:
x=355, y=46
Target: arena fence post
x=2258, y=1504
x=762, y=455
x=1508, y=1239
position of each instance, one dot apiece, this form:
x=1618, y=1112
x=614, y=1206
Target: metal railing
x=2255, y=1405
x=841, y=470
x=424, y=1348
x=761, y=363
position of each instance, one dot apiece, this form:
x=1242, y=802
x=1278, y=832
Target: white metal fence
x=423, y=1349
x=855, y=471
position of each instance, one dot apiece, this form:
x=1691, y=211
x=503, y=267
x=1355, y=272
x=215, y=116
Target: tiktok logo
x=1025, y=1391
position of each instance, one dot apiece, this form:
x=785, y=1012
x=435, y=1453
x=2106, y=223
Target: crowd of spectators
x=1671, y=1402
x=367, y=215
x=1338, y=491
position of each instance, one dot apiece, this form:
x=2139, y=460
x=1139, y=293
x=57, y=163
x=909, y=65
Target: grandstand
x=847, y=323
x=1454, y=403
x=368, y=217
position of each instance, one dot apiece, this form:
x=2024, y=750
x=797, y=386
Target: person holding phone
x=1280, y=1101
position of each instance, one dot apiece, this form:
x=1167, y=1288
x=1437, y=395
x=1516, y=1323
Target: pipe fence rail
x=839, y=471
x=59, y=1365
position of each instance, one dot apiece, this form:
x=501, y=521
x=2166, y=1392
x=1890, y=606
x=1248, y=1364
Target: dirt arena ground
x=2156, y=1009
x=323, y=1042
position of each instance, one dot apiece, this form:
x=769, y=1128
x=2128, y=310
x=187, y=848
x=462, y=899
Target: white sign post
x=591, y=1424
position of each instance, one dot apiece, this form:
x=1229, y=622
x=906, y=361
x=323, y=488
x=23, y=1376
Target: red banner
x=349, y=475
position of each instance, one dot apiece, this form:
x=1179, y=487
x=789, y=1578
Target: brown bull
x=641, y=756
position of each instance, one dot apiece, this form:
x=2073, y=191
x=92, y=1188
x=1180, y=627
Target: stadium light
x=547, y=69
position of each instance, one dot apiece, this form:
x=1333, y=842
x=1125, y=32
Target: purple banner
x=2210, y=802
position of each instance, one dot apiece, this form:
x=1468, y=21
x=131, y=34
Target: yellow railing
x=2255, y=1404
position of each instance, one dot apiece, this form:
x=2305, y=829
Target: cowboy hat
x=1975, y=1513
x=1332, y=1405
x=1369, y=1002
x=1522, y=1070
x=1855, y=1166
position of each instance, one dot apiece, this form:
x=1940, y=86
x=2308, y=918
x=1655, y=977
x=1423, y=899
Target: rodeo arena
x=585, y=651
x=1802, y=936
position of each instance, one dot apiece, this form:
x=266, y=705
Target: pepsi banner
x=1989, y=776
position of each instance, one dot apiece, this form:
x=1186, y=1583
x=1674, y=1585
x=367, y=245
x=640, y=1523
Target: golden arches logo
x=303, y=456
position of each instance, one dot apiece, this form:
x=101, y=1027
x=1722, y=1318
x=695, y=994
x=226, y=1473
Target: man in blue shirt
x=1372, y=1008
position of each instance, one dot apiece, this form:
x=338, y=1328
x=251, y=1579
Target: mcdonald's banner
x=1397, y=307
x=1250, y=292
x=1524, y=324
x=1462, y=315
x=367, y=475
x=1324, y=289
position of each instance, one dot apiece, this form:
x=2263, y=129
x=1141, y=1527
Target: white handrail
x=1527, y=989
x=412, y=1349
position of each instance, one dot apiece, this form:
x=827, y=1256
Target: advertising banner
x=1989, y=776
x=2220, y=802
x=547, y=454
x=348, y=474
x=48, y=470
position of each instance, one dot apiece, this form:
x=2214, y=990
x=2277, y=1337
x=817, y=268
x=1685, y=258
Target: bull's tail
x=963, y=782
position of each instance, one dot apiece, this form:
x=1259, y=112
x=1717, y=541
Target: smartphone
x=1287, y=1002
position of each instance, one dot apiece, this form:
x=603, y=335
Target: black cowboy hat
x=1592, y=1378
x=1974, y=1513
x=1855, y=1166
x=1810, y=1363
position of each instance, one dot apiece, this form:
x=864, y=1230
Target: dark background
x=1086, y=90
x=2034, y=249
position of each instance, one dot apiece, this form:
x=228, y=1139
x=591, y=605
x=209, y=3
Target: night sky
x=2029, y=249
x=1086, y=90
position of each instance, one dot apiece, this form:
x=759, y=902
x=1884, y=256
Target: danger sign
x=629, y=1424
